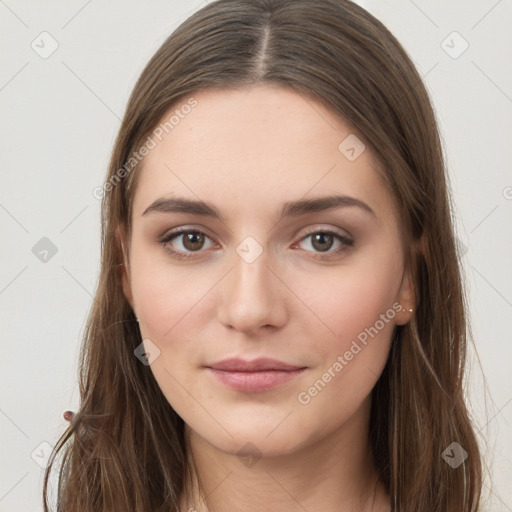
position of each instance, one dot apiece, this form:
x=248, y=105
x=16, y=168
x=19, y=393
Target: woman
x=280, y=322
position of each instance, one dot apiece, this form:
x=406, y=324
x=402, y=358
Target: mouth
x=255, y=376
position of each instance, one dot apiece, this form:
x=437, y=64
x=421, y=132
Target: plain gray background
x=59, y=117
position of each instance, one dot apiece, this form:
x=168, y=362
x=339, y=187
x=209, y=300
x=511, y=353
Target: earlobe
x=406, y=300
x=404, y=316
x=407, y=295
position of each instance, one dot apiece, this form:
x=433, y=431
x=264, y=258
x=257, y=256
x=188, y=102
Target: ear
x=406, y=296
x=125, y=267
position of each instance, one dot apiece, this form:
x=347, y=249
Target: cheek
x=166, y=297
x=170, y=305
x=349, y=300
x=357, y=304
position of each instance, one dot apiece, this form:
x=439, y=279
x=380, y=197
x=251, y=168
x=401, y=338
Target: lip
x=254, y=376
x=237, y=364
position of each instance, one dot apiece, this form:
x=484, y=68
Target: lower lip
x=255, y=382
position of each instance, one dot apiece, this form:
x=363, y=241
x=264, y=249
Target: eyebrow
x=289, y=209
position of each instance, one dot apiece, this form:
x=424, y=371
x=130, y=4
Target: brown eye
x=322, y=241
x=193, y=240
x=326, y=242
x=184, y=242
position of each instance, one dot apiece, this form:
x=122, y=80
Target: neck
x=333, y=474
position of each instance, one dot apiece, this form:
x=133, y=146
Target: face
x=267, y=268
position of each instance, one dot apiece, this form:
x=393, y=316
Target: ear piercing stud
x=68, y=415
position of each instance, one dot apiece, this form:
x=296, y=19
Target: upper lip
x=260, y=364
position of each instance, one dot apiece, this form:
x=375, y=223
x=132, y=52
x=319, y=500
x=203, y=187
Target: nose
x=252, y=296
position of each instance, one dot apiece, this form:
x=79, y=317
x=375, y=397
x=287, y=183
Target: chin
x=253, y=440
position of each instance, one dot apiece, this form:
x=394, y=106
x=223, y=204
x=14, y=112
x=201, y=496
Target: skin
x=247, y=152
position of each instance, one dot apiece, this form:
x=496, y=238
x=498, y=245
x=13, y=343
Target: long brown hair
x=124, y=449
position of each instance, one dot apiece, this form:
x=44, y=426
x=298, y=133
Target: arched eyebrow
x=289, y=209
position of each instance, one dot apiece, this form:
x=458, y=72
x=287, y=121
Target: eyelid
x=333, y=230
x=176, y=232
x=347, y=242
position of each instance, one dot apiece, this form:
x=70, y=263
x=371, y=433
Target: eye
x=189, y=241
x=322, y=241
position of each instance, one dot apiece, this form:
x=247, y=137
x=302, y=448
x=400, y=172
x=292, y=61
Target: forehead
x=248, y=148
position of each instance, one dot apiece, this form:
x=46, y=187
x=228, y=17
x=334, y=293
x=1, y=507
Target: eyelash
x=164, y=241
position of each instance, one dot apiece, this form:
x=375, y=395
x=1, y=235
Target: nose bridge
x=250, y=298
